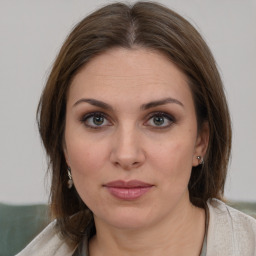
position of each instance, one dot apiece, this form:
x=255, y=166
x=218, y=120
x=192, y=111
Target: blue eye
x=160, y=120
x=95, y=120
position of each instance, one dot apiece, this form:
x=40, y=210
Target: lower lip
x=128, y=193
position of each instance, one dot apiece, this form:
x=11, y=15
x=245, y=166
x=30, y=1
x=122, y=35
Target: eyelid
x=169, y=117
x=85, y=117
x=90, y=114
x=163, y=113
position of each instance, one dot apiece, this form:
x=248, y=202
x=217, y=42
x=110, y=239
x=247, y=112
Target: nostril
x=116, y=163
x=127, y=166
x=127, y=158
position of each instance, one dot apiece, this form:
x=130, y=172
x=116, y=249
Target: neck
x=181, y=233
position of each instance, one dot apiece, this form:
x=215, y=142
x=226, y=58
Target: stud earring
x=70, y=181
x=200, y=159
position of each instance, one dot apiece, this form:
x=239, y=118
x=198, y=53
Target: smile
x=130, y=190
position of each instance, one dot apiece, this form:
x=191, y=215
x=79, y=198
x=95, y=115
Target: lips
x=128, y=190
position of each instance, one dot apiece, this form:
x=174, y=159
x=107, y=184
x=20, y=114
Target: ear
x=201, y=143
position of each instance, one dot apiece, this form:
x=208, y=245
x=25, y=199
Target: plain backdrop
x=31, y=33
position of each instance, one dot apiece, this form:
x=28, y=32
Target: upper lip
x=127, y=184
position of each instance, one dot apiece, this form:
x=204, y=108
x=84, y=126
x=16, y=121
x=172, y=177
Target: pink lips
x=130, y=190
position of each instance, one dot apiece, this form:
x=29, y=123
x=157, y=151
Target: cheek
x=86, y=163
x=85, y=158
x=175, y=153
x=174, y=161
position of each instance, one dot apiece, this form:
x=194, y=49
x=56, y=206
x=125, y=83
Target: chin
x=130, y=223
x=127, y=219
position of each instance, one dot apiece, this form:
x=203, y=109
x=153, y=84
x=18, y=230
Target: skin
x=130, y=142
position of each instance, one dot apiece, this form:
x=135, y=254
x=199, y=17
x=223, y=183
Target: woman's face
x=131, y=137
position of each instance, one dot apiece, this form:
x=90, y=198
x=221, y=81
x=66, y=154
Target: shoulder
x=48, y=242
x=230, y=232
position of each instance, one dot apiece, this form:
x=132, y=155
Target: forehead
x=121, y=62
x=140, y=73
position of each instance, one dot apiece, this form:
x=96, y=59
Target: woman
x=136, y=126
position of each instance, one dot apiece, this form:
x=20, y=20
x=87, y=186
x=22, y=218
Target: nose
x=127, y=149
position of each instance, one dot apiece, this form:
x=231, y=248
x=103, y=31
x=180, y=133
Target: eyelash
x=86, y=117
x=164, y=115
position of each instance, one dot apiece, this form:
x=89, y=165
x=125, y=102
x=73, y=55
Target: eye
x=95, y=120
x=160, y=120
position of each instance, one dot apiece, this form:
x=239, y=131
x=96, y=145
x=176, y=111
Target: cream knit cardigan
x=230, y=233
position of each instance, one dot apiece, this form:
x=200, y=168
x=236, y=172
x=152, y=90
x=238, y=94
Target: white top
x=230, y=233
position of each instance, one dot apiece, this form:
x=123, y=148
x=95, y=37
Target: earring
x=70, y=181
x=200, y=159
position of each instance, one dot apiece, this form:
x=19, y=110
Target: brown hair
x=151, y=26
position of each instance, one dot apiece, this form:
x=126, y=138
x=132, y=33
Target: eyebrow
x=146, y=106
x=156, y=103
x=94, y=102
